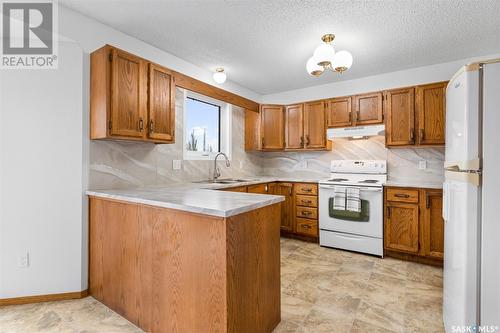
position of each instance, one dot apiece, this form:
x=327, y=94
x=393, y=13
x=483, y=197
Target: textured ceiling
x=264, y=45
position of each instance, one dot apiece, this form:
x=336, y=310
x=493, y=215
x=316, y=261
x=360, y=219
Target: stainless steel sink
x=225, y=181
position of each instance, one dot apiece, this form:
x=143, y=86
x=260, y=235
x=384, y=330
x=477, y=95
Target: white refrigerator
x=471, y=199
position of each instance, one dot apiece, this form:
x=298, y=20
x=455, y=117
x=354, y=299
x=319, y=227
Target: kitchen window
x=207, y=127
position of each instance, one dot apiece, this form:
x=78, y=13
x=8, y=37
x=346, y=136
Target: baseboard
x=43, y=298
x=414, y=258
x=299, y=237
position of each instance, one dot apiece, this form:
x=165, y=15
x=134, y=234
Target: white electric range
x=355, y=231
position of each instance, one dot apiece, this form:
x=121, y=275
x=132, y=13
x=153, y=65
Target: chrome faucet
x=216, y=168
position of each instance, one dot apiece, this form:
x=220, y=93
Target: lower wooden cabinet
x=259, y=188
x=287, y=218
x=413, y=226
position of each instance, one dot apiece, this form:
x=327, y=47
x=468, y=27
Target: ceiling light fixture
x=324, y=57
x=219, y=76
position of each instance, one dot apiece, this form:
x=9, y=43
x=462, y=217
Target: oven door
x=369, y=224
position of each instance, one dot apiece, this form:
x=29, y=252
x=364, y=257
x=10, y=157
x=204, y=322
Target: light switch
x=422, y=165
x=176, y=164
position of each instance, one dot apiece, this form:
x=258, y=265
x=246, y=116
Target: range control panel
x=359, y=166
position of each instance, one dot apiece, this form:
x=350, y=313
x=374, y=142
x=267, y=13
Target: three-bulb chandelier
x=324, y=57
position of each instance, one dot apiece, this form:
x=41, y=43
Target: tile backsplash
x=116, y=164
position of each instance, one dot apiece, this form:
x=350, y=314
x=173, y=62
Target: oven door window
x=347, y=215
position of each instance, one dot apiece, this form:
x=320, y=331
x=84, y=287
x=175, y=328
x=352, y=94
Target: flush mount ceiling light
x=219, y=76
x=324, y=57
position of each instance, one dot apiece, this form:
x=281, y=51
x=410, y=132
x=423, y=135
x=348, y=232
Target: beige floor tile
x=321, y=322
x=380, y=316
x=426, y=274
x=360, y=326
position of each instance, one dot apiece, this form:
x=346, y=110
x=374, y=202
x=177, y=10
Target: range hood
x=357, y=132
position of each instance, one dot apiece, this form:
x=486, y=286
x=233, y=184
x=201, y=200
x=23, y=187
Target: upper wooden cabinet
x=161, y=125
x=272, y=127
x=415, y=116
x=294, y=126
x=430, y=108
x=400, y=117
x=339, y=112
x=368, y=108
x=314, y=125
x=130, y=98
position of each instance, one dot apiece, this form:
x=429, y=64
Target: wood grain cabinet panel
x=161, y=108
x=431, y=111
x=272, y=127
x=130, y=98
x=401, y=227
x=314, y=125
x=400, y=117
x=339, y=112
x=306, y=200
x=306, y=188
x=307, y=227
x=258, y=188
x=294, y=126
x=287, y=213
x=252, y=131
x=128, y=95
x=433, y=224
x=369, y=109
x=402, y=195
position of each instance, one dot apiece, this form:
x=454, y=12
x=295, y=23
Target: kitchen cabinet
x=272, y=127
x=314, y=125
x=430, y=106
x=433, y=224
x=258, y=188
x=368, y=109
x=339, y=112
x=415, y=116
x=306, y=210
x=400, y=117
x=130, y=98
x=236, y=189
x=294, y=126
x=287, y=218
x=413, y=226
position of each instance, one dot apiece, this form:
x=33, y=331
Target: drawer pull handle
x=307, y=201
x=399, y=195
x=307, y=189
x=305, y=213
x=305, y=226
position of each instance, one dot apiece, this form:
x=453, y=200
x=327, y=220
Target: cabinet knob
x=422, y=134
x=141, y=125
x=151, y=126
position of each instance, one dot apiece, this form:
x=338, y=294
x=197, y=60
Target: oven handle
x=366, y=189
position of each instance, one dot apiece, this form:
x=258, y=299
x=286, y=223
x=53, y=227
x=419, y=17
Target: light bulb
x=219, y=76
x=342, y=61
x=324, y=54
x=313, y=68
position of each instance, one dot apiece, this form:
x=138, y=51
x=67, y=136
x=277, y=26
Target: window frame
x=224, y=130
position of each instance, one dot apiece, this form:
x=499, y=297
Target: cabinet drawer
x=308, y=212
x=307, y=227
x=311, y=189
x=259, y=188
x=306, y=200
x=402, y=195
x=235, y=189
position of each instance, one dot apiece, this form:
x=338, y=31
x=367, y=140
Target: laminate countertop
x=393, y=183
x=202, y=198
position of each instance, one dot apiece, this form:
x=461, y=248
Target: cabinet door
x=161, y=104
x=258, y=188
x=431, y=108
x=128, y=95
x=400, y=117
x=287, y=213
x=314, y=125
x=433, y=224
x=401, y=227
x=338, y=112
x=294, y=126
x=368, y=109
x=272, y=127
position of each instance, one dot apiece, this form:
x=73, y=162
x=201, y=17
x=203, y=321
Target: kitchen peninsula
x=187, y=259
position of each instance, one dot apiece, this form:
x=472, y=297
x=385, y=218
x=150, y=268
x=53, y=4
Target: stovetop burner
x=338, y=180
x=369, y=181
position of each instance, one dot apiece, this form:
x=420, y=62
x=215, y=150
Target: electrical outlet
x=241, y=164
x=422, y=165
x=24, y=260
x=303, y=164
x=176, y=164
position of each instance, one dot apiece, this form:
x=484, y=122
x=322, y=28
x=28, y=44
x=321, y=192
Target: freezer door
x=462, y=105
x=460, y=257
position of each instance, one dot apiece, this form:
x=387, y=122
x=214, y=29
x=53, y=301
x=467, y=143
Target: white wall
x=408, y=77
x=41, y=176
